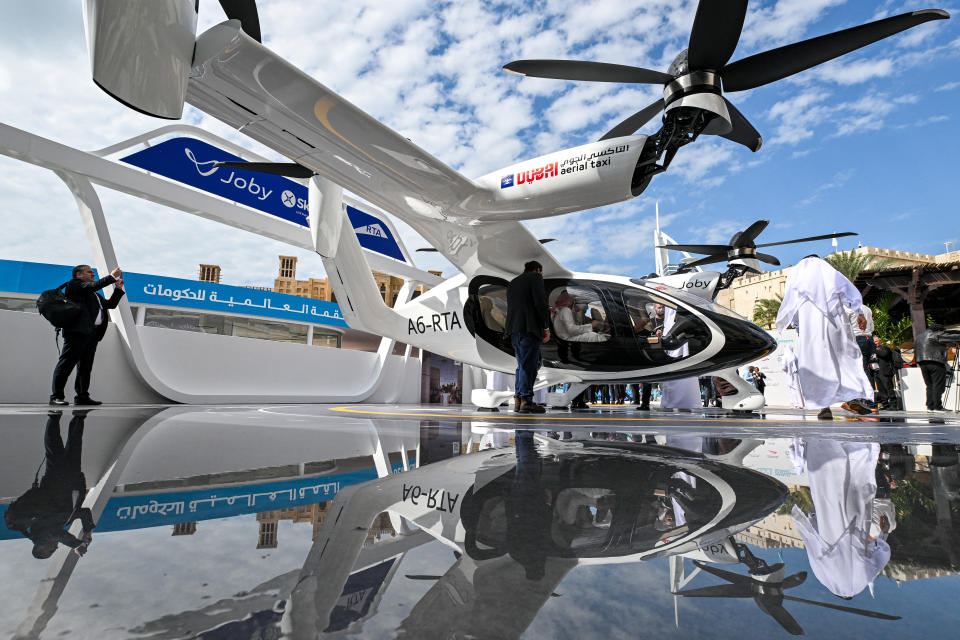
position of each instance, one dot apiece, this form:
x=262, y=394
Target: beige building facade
x=745, y=291
x=315, y=288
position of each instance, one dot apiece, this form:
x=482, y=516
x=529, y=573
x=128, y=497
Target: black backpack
x=57, y=308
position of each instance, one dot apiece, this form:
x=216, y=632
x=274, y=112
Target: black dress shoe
x=86, y=402
x=58, y=402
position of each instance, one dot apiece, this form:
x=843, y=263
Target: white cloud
x=432, y=71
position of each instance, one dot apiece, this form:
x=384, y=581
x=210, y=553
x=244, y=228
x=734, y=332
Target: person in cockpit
x=567, y=328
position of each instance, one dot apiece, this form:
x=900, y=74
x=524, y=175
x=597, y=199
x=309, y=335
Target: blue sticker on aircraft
x=193, y=161
x=374, y=234
x=506, y=181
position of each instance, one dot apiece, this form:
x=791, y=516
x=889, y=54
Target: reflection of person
x=565, y=325
x=829, y=363
x=528, y=323
x=847, y=551
x=81, y=338
x=529, y=510
x=46, y=511
x=930, y=352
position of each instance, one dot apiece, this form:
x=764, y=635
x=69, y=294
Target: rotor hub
x=691, y=83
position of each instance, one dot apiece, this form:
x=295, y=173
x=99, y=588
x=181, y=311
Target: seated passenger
x=492, y=316
x=567, y=328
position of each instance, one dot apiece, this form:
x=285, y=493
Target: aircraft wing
x=241, y=82
x=244, y=84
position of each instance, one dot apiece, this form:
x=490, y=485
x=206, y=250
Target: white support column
x=309, y=334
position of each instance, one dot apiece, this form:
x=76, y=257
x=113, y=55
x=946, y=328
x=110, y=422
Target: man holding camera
x=81, y=338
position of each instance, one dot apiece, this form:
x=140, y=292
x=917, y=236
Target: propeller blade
x=795, y=580
x=719, y=591
x=590, y=71
x=810, y=239
x=417, y=576
x=729, y=576
x=742, y=132
x=426, y=249
x=754, y=230
x=715, y=33
x=546, y=240
x=634, y=122
x=288, y=169
x=698, y=248
x=246, y=12
x=859, y=612
x=775, y=610
x=764, y=68
x=766, y=257
x=708, y=260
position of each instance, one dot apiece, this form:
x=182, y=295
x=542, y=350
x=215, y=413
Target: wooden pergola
x=918, y=286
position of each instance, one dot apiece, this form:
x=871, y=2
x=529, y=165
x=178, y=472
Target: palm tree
x=765, y=310
x=891, y=331
x=850, y=263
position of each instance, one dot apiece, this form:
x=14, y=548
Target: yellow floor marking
x=541, y=416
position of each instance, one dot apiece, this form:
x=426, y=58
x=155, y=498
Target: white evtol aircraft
x=147, y=56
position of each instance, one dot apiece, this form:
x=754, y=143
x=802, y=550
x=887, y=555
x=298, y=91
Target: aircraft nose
x=745, y=341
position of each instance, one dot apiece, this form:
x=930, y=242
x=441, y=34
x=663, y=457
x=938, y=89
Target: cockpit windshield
x=664, y=330
x=598, y=326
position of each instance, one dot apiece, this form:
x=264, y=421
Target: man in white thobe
x=847, y=551
x=818, y=301
x=685, y=392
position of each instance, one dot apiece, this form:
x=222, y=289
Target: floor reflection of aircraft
x=518, y=522
x=149, y=468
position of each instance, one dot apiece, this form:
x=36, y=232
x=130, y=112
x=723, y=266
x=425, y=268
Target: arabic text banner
x=34, y=278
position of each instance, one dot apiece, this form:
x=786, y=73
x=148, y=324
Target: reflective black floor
x=428, y=522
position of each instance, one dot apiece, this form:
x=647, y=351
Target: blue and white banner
x=194, y=294
x=192, y=161
x=34, y=278
x=160, y=509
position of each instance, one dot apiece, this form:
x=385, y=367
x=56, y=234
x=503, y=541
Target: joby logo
x=289, y=199
x=695, y=284
x=210, y=164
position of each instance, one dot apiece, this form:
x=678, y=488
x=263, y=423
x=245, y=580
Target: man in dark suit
x=81, y=338
x=528, y=324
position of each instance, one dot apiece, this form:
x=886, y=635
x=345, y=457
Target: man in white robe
x=818, y=300
x=845, y=555
x=685, y=392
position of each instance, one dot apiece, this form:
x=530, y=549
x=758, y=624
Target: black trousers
x=888, y=397
x=867, y=351
x=935, y=378
x=78, y=351
x=645, y=396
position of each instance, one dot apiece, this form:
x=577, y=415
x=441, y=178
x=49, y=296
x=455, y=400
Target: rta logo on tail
x=372, y=230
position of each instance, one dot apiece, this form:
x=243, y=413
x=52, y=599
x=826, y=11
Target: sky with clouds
x=866, y=143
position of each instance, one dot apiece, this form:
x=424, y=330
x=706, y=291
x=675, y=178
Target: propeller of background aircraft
x=767, y=590
x=742, y=245
x=703, y=67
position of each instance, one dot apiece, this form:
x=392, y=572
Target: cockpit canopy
x=612, y=327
